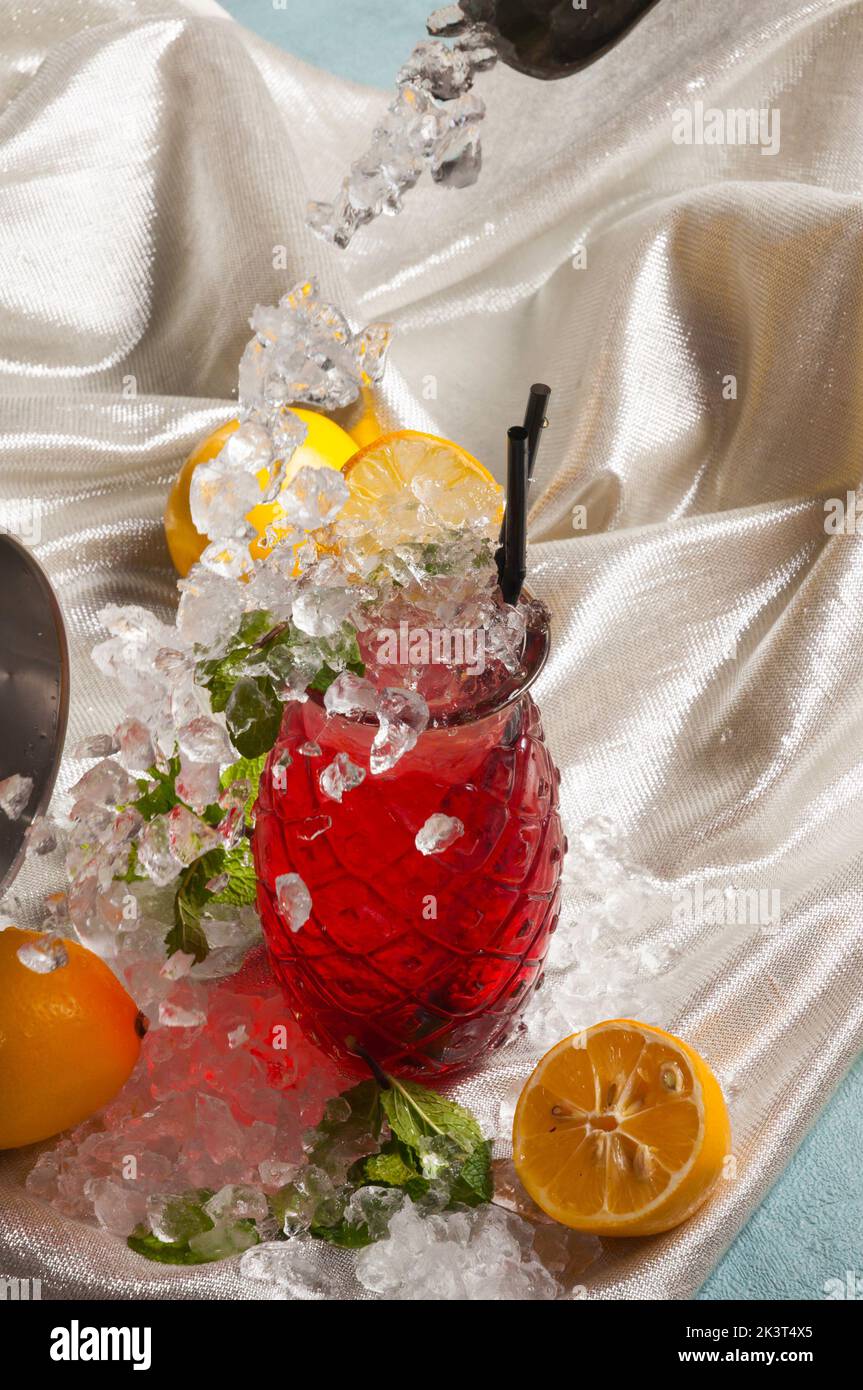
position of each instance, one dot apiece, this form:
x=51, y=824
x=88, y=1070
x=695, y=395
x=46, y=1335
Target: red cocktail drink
x=424, y=960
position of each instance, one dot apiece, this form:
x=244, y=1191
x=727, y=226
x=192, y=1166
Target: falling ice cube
x=15, y=792
x=340, y=776
x=445, y=72
x=294, y=900
x=438, y=833
x=448, y=20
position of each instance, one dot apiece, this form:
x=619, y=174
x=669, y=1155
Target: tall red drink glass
x=422, y=961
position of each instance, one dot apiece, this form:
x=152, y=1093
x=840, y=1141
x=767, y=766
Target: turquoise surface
x=809, y=1229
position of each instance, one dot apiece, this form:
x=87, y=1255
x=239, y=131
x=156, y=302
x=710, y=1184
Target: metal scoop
x=34, y=691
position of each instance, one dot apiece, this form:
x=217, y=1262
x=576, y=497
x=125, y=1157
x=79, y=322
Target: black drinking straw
x=514, y=566
x=535, y=421
x=512, y=573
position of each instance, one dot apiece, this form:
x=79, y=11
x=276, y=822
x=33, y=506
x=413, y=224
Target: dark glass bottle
x=551, y=38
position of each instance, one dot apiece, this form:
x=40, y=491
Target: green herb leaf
x=247, y=770
x=344, y=1234
x=394, y=1166
x=143, y=1242
x=188, y=1215
x=243, y=680
x=191, y=898
x=416, y=1113
x=254, y=715
x=159, y=792
x=131, y=875
x=364, y=1121
x=242, y=888
x=474, y=1184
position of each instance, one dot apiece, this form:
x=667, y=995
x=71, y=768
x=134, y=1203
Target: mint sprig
x=402, y=1125
x=244, y=682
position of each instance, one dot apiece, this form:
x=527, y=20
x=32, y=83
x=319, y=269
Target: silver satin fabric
x=150, y=161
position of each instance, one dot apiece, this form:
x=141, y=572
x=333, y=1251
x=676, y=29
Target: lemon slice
x=405, y=484
x=621, y=1130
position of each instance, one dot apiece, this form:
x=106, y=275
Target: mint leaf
x=159, y=792
x=388, y=1169
x=143, y=1242
x=242, y=888
x=188, y=1216
x=394, y=1166
x=131, y=875
x=247, y=770
x=191, y=898
x=244, y=680
x=344, y=1234
x=416, y=1113
x=254, y=715
x=220, y=674
x=474, y=1184
x=363, y=1123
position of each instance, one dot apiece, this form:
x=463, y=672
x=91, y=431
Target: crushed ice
x=432, y=124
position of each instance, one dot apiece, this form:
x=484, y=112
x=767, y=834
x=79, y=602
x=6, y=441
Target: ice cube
x=43, y=836
x=155, y=853
x=107, y=784
x=340, y=776
x=291, y=1267
x=117, y=1205
x=188, y=836
x=237, y=1203
x=274, y=1173
x=438, y=833
x=444, y=71
x=198, y=783
x=177, y=966
x=43, y=955
x=178, y=1015
x=204, y=741
x=374, y=1208
x=314, y=497
x=135, y=745
x=313, y=826
x=96, y=746
x=448, y=20
x=294, y=900
x=402, y=716
x=351, y=695
x=174, y=1218
x=223, y=1240
x=15, y=792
